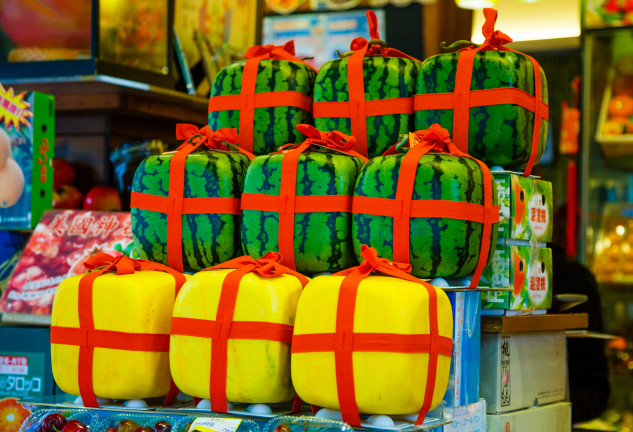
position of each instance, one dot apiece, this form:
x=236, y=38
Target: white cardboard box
x=554, y=417
x=520, y=370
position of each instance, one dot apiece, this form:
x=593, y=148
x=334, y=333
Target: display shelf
x=533, y=323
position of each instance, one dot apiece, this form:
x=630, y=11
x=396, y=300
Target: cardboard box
x=519, y=370
x=555, y=417
x=58, y=248
x=463, y=383
x=525, y=207
x=27, y=133
x=527, y=270
x=468, y=418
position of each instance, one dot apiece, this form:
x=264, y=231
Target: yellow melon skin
x=136, y=303
x=385, y=383
x=258, y=371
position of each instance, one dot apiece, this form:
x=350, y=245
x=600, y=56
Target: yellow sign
x=13, y=110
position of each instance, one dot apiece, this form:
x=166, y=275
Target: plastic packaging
x=177, y=423
x=306, y=424
x=34, y=422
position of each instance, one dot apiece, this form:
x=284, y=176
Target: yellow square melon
x=387, y=383
x=258, y=371
x=138, y=303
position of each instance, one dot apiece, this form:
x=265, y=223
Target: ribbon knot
x=372, y=262
x=494, y=38
x=121, y=264
x=436, y=136
x=278, y=52
x=213, y=140
x=268, y=266
x=335, y=140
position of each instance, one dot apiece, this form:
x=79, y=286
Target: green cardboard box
x=525, y=269
x=525, y=207
x=27, y=132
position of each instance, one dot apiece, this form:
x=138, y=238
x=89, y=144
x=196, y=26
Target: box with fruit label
x=57, y=249
x=27, y=132
x=553, y=417
x=525, y=207
x=526, y=270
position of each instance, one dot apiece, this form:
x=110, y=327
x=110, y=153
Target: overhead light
x=475, y=4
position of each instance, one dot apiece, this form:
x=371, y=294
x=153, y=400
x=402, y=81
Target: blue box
x=463, y=383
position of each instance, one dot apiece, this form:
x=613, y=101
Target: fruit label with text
x=57, y=249
x=212, y=424
x=21, y=374
x=525, y=207
x=27, y=140
x=526, y=270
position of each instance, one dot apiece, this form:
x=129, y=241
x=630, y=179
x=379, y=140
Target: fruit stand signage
x=21, y=374
x=58, y=248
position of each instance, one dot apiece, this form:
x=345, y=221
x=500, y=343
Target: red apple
x=53, y=422
x=63, y=173
x=67, y=197
x=75, y=426
x=102, y=198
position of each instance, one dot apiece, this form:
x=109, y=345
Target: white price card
x=215, y=424
x=468, y=418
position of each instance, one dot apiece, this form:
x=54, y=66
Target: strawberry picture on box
x=58, y=248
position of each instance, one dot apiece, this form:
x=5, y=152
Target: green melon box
x=525, y=207
x=527, y=270
x=27, y=134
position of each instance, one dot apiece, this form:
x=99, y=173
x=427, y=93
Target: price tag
x=468, y=418
x=213, y=424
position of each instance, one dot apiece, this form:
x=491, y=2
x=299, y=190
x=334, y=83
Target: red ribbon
x=403, y=207
x=462, y=99
x=344, y=342
x=288, y=203
x=175, y=205
x=356, y=109
x=248, y=100
x=88, y=337
x=224, y=328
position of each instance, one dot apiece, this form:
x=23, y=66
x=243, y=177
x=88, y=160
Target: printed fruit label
x=538, y=281
x=211, y=424
x=538, y=214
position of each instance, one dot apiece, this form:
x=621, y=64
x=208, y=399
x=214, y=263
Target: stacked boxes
x=521, y=261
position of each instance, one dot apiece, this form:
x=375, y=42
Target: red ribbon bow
x=271, y=51
x=494, y=38
x=121, y=264
x=335, y=140
x=436, y=136
x=213, y=140
x=372, y=262
x=267, y=266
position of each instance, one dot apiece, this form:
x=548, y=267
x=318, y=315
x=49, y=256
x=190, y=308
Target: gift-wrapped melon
x=372, y=344
x=186, y=204
x=110, y=330
x=264, y=98
x=231, y=332
x=492, y=100
x=299, y=202
x=367, y=94
x=431, y=206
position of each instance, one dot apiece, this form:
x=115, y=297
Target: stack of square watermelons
x=488, y=96
x=377, y=159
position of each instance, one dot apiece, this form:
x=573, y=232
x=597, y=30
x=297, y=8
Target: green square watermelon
x=322, y=240
x=207, y=239
x=497, y=134
x=438, y=246
x=383, y=78
x=273, y=126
